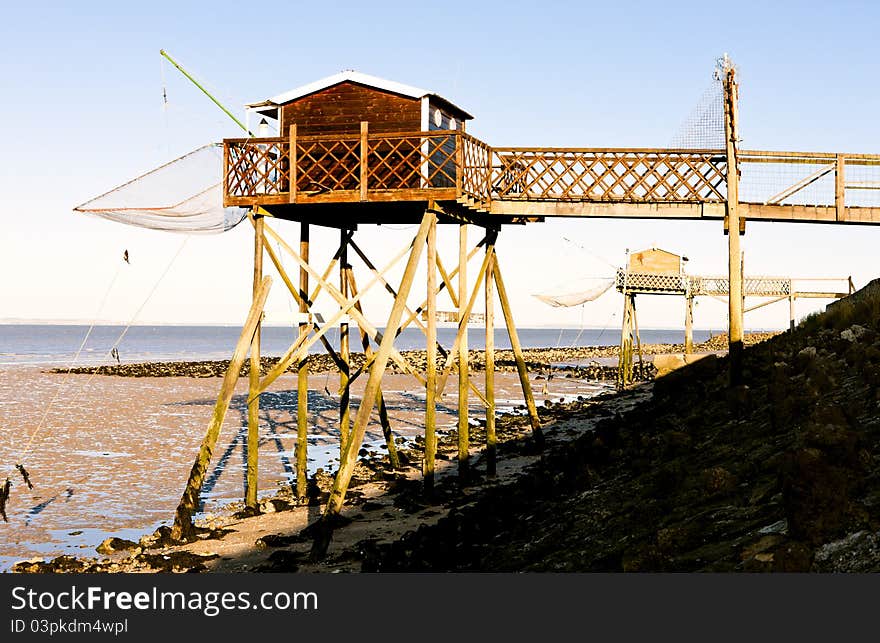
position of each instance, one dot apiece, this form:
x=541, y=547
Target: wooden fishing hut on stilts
x=356, y=150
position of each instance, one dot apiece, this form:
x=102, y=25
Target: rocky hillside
x=780, y=474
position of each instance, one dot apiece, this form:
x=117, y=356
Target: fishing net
x=703, y=129
x=184, y=195
x=576, y=298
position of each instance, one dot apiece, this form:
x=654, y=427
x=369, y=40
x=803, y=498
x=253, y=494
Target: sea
x=63, y=345
x=109, y=455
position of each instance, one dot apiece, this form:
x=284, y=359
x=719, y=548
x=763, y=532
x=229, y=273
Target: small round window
x=452, y=124
x=438, y=117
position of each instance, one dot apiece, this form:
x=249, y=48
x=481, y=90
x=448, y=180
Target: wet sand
x=113, y=453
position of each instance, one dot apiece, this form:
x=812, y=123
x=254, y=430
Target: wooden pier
x=357, y=150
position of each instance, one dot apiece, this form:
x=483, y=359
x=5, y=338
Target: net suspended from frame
x=184, y=195
x=576, y=298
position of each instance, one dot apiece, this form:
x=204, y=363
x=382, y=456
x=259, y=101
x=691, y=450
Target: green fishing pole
x=204, y=91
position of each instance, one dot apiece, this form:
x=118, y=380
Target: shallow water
x=110, y=455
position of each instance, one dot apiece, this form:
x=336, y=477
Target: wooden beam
x=344, y=371
x=464, y=313
x=450, y=359
x=734, y=256
x=537, y=434
x=800, y=185
x=183, y=528
x=431, y=362
x=360, y=253
x=447, y=281
x=347, y=307
x=839, y=190
x=489, y=291
x=293, y=164
x=364, y=158
x=302, y=376
x=253, y=407
x=393, y=457
x=346, y=466
x=689, y=325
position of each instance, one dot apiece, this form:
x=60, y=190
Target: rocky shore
x=575, y=361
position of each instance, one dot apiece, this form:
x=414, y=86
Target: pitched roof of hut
x=352, y=76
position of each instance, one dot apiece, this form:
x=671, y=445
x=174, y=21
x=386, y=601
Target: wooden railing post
x=839, y=189
x=364, y=168
x=459, y=163
x=225, y=173
x=292, y=156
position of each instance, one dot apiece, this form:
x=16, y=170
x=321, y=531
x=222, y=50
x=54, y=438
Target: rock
x=806, y=355
x=857, y=552
x=853, y=333
x=159, y=538
x=113, y=544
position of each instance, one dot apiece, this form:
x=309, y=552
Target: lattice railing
x=256, y=166
x=476, y=168
x=411, y=161
x=327, y=164
x=646, y=281
x=609, y=175
x=752, y=286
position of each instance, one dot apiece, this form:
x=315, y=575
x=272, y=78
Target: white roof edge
x=352, y=76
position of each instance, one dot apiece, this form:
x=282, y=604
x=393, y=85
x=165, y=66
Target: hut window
x=451, y=123
x=438, y=117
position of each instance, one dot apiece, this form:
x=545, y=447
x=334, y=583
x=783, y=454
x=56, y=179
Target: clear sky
x=82, y=112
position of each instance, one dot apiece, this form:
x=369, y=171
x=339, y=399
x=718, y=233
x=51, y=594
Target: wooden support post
x=293, y=169
x=393, y=457
x=431, y=363
x=689, y=324
x=840, y=189
x=302, y=375
x=346, y=466
x=463, y=366
x=344, y=371
x=253, y=408
x=734, y=258
x=625, y=358
x=489, y=290
x=537, y=434
x=183, y=528
x=365, y=173
x=791, y=312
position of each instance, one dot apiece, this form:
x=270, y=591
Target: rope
x=26, y=450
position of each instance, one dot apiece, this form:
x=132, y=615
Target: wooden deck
x=319, y=178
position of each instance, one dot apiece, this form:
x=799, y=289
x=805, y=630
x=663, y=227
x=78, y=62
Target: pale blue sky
x=82, y=111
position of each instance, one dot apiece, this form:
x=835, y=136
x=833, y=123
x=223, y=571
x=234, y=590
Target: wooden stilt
x=431, y=363
x=344, y=371
x=791, y=312
x=537, y=434
x=253, y=412
x=183, y=528
x=625, y=358
x=735, y=300
x=346, y=467
x=450, y=358
x=689, y=324
x=443, y=285
x=302, y=378
x=463, y=365
x=393, y=457
x=347, y=306
x=489, y=290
